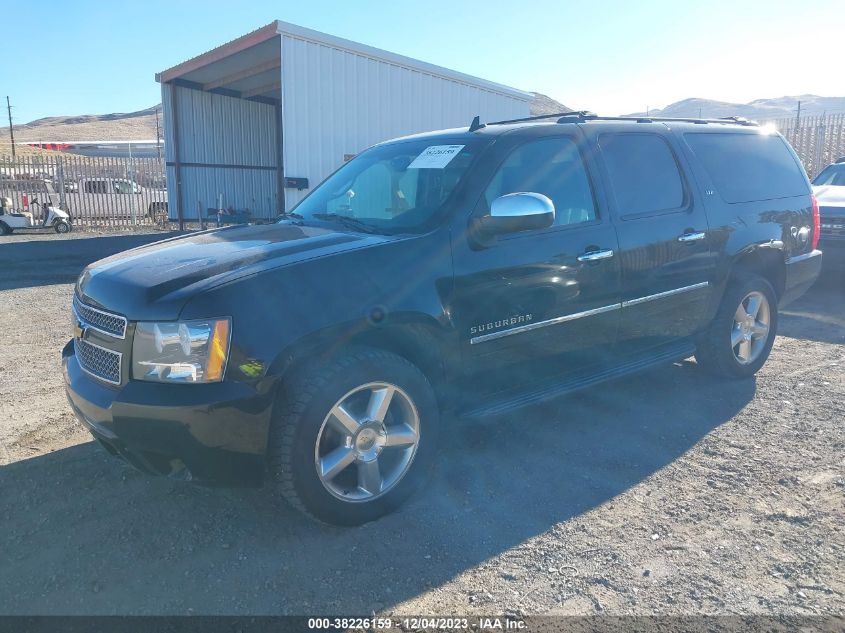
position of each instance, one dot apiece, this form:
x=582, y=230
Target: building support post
x=177, y=164
x=280, y=168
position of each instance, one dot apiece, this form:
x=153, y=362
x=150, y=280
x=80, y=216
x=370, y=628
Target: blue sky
x=608, y=56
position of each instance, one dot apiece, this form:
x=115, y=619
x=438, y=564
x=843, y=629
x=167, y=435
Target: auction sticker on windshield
x=435, y=157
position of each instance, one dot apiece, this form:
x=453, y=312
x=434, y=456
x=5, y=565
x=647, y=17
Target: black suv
x=472, y=270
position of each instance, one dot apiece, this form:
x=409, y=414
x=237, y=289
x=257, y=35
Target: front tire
x=740, y=338
x=62, y=227
x=352, y=438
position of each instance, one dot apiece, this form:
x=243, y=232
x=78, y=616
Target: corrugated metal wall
x=337, y=102
x=226, y=145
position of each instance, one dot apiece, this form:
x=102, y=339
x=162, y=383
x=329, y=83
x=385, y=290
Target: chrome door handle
x=692, y=237
x=593, y=256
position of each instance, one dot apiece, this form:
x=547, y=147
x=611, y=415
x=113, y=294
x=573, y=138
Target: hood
x=830, y=195
x=155, y=281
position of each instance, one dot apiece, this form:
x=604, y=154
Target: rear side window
x=643, y=173
x=550, y=166
x=748, y=167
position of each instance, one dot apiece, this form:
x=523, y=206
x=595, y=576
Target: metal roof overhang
x=249, y=67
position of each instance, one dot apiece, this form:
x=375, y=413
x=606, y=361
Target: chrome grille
x=105, y=322
x=98, y=361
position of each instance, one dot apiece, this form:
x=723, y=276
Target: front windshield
x=831, y=175
x=395, y=188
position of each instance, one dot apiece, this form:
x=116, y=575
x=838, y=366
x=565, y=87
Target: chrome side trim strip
x=539, y=324
x=668, y=293
x=586, y=313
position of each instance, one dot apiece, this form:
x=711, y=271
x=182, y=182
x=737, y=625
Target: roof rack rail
x=649, y=119
x=586, y=115
x=539, y=117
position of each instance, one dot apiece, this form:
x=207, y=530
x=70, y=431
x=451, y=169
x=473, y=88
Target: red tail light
x=816, y=221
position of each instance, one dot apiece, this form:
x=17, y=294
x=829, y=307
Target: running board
x=554, y=388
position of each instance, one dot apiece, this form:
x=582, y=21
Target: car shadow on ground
x=45, y=261
x=819, y=315
x=82, y=533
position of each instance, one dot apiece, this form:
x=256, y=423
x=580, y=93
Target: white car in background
x=114, y=198
x=829, y=188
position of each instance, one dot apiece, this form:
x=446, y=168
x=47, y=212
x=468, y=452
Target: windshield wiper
x=291, y=215
x=353, y=223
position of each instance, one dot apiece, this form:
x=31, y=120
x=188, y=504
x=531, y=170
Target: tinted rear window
x=643, y=173
x=748, y=167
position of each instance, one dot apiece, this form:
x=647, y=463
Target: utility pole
x=11, y=131
x=798, y=117
x=158, y=135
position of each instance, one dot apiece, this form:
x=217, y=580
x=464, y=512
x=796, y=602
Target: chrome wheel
x=751, y=327
x=367, y=442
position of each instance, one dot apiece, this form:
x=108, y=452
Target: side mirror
x=514, y=212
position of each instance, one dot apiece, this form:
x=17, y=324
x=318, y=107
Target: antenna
x=476, y=124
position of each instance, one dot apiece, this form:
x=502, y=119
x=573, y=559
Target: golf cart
x=54, y=218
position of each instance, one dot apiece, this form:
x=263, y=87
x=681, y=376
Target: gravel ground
x=670, y=492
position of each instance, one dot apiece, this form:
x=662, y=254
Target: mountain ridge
x=758, y=109
x=141, y=124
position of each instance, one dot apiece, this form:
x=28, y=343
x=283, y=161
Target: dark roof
x=497, y=129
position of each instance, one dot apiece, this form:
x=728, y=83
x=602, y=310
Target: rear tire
x=740, y=337
x=352, y=438
x=4, y=229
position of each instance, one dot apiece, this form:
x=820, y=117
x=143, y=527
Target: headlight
x=181, y=351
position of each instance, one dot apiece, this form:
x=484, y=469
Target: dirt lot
x=670, y=492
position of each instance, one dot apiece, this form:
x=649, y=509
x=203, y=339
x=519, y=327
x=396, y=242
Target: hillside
x=141, y=125
x=543, y=104
x=759, y=110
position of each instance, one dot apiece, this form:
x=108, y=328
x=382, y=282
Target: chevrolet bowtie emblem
x=79, y=330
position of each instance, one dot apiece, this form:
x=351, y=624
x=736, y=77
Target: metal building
x=279, y=109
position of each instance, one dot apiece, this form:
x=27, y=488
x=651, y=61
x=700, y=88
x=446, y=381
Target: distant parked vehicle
x=114, y=198
x=829, y=187
x=109, y=185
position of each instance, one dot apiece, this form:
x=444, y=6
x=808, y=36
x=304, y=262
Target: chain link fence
x=95, y=191
x=818, y=140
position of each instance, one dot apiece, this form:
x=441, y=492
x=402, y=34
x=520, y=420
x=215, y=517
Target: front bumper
x=801, y=273
x=214, y=434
